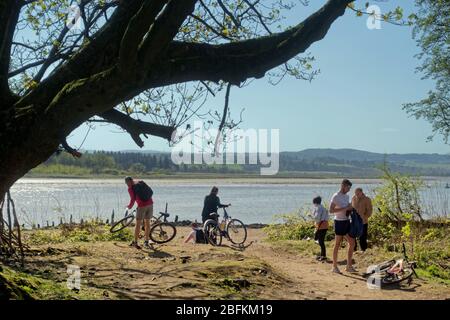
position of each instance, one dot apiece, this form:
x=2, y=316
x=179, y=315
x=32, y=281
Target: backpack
x=143, y=191
x=356, y=225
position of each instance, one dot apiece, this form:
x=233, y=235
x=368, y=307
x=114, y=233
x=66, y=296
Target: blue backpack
x=356, y=225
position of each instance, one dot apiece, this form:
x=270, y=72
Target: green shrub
x=293, y=227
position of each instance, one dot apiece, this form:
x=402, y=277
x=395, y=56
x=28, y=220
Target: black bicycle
x=161, y=231
x=232, y=229
x=395, y=270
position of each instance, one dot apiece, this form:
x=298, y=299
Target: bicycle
x=233, y=230
x=395, y=270
x=161, y=231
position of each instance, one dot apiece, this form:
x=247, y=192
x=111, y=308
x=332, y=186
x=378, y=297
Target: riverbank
x=211, y=178
x=110, y=269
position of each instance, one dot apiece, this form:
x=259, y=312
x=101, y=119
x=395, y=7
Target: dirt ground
x=263, y=270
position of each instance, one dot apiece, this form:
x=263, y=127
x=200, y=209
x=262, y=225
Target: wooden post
x=60, y=221
x=53, y=224
x=112, y=217
x=70, y=221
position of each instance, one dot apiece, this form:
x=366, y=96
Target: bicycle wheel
x=237, y=231
x=162, y=232
x=392, y=278
x=213, y=233
x=122, y=224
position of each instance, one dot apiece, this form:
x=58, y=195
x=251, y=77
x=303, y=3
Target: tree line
x=115, y=163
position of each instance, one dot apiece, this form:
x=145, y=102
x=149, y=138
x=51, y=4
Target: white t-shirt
x=341, y=201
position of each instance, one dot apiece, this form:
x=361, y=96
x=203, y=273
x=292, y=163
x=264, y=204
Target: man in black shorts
x=340, y=206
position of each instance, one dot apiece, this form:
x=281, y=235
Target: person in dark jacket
x=211, y=204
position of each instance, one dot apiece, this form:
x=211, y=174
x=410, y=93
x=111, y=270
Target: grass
x=23, y=286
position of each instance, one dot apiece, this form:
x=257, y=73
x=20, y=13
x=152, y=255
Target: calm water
x=42, y=200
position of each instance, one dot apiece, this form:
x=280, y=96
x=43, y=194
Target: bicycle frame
x=401, y=263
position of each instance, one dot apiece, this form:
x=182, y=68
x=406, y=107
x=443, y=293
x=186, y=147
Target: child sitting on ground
x=196, y=235
x=321, y=223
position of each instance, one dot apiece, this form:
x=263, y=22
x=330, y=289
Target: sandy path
x=315, y=278
x=113, y=270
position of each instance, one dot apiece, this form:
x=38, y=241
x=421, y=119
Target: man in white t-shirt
x=339, y=206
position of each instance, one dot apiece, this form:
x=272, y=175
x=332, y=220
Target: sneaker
x=135, y=244
x=322, y=258
x=351, y=269
x=147, y=244
x=336, y=270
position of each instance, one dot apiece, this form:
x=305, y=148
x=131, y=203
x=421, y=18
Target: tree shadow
x=235, y=247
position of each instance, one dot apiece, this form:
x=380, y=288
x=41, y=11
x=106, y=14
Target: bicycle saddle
x=164, y=214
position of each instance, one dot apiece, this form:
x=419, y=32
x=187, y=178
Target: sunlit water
x=42, y=200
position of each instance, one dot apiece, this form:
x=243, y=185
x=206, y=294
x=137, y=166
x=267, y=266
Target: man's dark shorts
x=341, y=227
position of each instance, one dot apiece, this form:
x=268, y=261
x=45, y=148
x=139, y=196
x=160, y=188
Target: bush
x=293, y=227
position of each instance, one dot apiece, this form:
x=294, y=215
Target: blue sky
x=355, y=102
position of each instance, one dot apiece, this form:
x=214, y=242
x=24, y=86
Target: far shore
x=224, y=179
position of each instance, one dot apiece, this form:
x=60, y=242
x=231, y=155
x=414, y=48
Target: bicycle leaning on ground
x=394, y=271
x=161, y=231
x=232, y=229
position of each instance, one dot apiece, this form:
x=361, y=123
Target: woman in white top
x=339, y=205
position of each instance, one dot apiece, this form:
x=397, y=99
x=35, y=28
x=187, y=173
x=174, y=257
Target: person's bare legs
x=337, y=244
x=351, y=247
x=147, y=229
x=137, y=230
x=190, y=237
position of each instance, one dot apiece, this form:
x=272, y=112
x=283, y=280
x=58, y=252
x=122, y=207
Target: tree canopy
x=432, y=30
x=146, y=66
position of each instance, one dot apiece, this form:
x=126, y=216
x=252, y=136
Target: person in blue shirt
x=321, y=217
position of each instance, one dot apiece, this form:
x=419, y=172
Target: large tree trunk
x=26, y=142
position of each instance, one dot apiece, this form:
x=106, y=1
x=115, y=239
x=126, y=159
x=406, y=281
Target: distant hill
x=359, y=155
x=309, y=162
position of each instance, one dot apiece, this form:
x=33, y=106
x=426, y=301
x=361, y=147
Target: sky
x=355, y=102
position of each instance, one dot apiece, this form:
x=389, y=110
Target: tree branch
x=69, y=149
x=135, y=32
x=137, y=127
x=235, y=62
x=163, y=30
x=99, y=54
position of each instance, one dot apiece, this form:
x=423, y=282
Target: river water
x=42, y=200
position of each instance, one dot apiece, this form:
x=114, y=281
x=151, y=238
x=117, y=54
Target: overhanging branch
x=137, y=127
x=238, y=61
